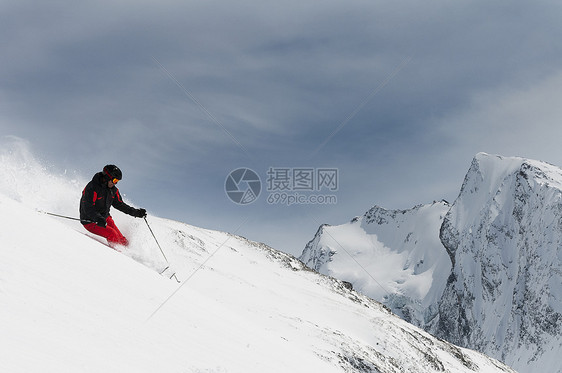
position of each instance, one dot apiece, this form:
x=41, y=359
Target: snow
x=70, y=304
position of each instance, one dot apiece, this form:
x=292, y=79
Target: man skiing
x=97, y=198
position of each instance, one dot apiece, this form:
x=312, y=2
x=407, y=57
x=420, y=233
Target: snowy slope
x=394, y=256
x=71, y=304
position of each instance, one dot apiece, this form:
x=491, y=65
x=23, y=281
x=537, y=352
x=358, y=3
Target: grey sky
x=110, y=82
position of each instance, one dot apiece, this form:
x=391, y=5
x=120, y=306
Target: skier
x=97, y=198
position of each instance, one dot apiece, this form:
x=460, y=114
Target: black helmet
x=113, y=172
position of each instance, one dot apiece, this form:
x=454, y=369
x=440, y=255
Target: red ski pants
x=110, y=232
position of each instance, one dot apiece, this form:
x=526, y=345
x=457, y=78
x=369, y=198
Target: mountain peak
x=503, y=234
x=390, y=255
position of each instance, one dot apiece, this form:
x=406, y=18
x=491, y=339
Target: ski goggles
x=115, y=181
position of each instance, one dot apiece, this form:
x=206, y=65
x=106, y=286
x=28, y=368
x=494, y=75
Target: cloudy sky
x=397, y=96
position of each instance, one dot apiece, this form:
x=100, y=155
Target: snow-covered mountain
x=501, y=290
x=70, y=304
x=504, y=236
x=394, y=256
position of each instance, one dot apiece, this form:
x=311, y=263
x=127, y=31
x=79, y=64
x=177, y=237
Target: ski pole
x=162, y=251
x=65, y=217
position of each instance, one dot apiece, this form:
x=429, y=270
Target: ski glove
x=140, y=213
x=101, y=222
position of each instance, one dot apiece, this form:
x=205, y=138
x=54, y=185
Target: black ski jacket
x=97, y=199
